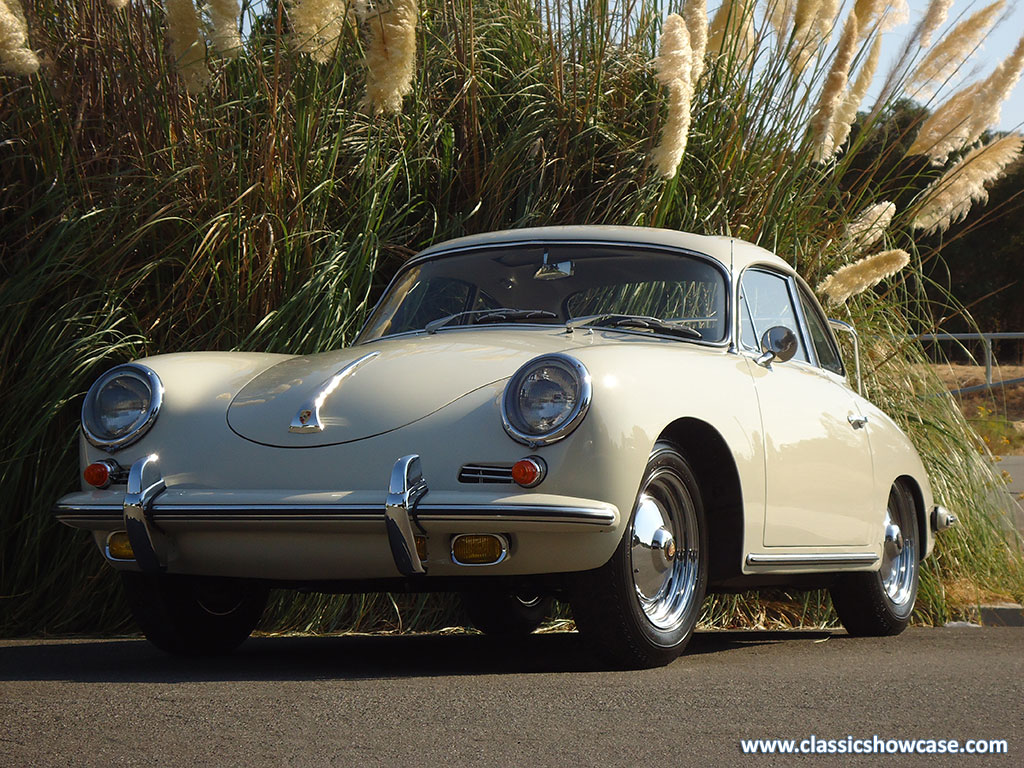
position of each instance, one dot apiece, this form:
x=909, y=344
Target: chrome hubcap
x=663, y=550
x=898, y=561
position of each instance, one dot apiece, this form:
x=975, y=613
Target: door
x=818, y=472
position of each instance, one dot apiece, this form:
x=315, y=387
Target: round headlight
x=121, y=406
x=546, y=399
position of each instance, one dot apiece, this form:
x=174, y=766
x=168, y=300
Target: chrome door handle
x=857, y=422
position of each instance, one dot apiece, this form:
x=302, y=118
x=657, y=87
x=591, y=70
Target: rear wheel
x=507, y=614
x=881, y=602
x=191, y=615
x=641, y=607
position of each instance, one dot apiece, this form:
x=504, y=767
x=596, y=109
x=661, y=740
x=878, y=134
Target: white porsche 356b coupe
x=622, y=417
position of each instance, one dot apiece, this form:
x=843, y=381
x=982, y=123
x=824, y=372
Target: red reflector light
x=529, y=472
x=97, y=475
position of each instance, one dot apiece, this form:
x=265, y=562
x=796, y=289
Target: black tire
x=506, y=614
x=880, y=603
x=194, y=616
x=641, y=607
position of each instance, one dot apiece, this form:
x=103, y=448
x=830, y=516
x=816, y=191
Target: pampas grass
x=695, y=13
x=870, y=226
x=842, y=122
x=934, y=17
x=224, y=27
x=390, y=55
x=732, y=30
x=949, y=127
x=317, y=26
x=269, y=213
x=997, y=88
x=858, y=277
x=15, y=56
x=950, y=198
x=832, y=93
x=187, y=45
x=674, y=67
x=950, y=53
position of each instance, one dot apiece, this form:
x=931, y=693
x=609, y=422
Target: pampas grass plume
x=804, y=25
x=868, y=12
x=869, y=226
x=847, y=112
x=224, y=23
x=832, y=93
x=15, y=55
x=117, y=5
x=732, y=29
x=188, y=49
x=390, y=55
x=934, y=17
x=954, y=49
x=780, y=15
x=949, y=199
x=949, y=127
x=695, y=12
x=966, y=115
x=858, y=277
x=996, y=90
x=673, y=68
x=317, y=26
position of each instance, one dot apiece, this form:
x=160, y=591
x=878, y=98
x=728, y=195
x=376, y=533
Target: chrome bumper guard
x=406, y=488
x=145, y=483
x=942, y=519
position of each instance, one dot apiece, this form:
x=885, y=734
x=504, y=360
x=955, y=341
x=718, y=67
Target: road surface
x=467, y=700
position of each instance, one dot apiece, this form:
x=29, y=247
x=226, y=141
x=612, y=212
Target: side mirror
x=778, y=343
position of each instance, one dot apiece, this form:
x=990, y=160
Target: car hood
x=379, y=387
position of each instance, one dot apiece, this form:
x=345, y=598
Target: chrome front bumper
x=158, y=519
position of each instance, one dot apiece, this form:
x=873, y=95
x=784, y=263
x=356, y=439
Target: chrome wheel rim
x=899, y=560
x=664, y=550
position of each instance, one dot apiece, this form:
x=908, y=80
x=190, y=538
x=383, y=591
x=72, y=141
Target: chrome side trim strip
x=307, y=420
x=523, y=513
x=145, y=483
x=836, y=560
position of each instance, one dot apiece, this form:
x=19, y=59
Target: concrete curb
x=1002, y=615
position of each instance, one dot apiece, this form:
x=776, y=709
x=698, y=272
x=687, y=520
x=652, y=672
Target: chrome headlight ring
x=134, y=380
x=569, y=389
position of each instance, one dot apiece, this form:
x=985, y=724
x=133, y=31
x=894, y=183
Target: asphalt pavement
x=468, y=700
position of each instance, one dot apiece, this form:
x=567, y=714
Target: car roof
x=726, y=250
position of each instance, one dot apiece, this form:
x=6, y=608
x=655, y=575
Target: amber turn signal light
x=478, y=549
x=530, y=471
x=119, y=546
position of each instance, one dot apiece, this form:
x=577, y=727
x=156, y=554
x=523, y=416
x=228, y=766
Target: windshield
x=567, y=280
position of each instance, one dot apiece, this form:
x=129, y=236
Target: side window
x=767, y=303
x=828, y=355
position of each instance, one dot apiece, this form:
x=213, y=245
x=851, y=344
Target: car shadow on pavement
x=343, y=657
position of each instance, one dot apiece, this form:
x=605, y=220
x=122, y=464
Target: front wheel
x=191, y=615
x=880, y=603
x=641, y=607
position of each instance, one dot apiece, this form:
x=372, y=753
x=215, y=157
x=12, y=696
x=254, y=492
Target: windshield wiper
x=636, y=321
x=495, y=315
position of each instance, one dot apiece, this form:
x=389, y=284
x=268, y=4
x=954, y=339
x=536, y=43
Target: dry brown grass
x=964, y=596
x=997, y=413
